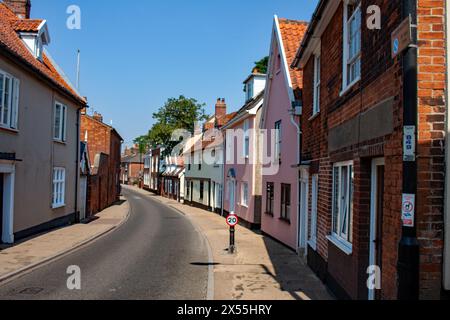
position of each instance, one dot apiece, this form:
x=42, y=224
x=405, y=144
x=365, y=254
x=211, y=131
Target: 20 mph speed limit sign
x=232, y=220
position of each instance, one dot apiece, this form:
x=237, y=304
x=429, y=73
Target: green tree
x=177, y=113
x=262, y=65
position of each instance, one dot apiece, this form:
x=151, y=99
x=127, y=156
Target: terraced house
x=282, y=216
x=372, y=146
x=39, y=129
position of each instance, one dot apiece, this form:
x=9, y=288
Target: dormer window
x=34, y=33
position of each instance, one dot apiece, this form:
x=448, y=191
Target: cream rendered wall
x=34, y=145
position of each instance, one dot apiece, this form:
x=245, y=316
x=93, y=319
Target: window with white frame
x=59, y=187
x=246, y=139
x=59, y=124
x=285, y=202
x=9, y=100
x=244, y=194
x=314, y=199
x=249, y=91
x=343, y=202
x=316, y=107
x=352, y=42
x=278, y=141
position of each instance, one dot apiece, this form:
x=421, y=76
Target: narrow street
x=157, y=254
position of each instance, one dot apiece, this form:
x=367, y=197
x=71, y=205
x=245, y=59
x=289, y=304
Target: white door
x=303, y=214
x=83, y=197
x=376, y=215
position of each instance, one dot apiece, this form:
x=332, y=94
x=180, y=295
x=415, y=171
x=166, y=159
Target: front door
x=303, y=211
x=83, y=197
x=1, y=207
x=376, y=224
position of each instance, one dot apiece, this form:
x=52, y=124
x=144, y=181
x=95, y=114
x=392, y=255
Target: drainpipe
x=299, y=141
x=408, y=253
x=222, y=212
x=77, y=166
x=446, y=266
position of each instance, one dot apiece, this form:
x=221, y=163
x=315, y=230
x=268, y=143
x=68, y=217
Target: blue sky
x=136, y=54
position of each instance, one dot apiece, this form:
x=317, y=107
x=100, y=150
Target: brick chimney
x=221, y=108
x=98, y=117
x=21, y=8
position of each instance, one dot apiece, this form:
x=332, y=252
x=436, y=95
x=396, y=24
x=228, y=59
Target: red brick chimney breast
x=21, y=8
x=221, y=108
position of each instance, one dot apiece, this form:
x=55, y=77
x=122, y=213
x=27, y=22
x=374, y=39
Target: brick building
x=104, y=147
x=132, y=167
x=357, y=99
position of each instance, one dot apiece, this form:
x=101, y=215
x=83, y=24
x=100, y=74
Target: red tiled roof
x=292, y=32
x=225, y=119
x=11, y=43
x=27, y=25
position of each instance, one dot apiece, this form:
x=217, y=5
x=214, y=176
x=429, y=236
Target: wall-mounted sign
x=408, y=210
x=401, y=37
x=409, y=143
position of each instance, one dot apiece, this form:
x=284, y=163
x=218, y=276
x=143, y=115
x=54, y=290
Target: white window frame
x=249, y=91
x=347, y=61
x=60, y=134
x=246, y=144
x=342, y=238
x=314, y=206
x=317, y=75
x=12, y=103
x=244, y=194
x=59, y=187
x=278, y=140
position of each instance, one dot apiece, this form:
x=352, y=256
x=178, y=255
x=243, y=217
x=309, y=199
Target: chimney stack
x=21, y=8
x=98, y=117
x=221, y=108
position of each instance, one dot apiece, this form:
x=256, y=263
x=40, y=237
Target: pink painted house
x=281, y=116
x=242, y=169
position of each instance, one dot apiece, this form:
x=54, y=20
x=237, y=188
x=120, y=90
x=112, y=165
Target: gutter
x=408, y=250
x=317, y=15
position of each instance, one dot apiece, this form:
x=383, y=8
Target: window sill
x=313, y=244
x=244, y=206
x=9, y=130
x=347, y=88
x=314, y=116
x=343, y=245
x=285, y=220
x=60, y=142
x=58, y=206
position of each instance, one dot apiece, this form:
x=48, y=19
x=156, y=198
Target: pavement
x=261, y=269
x=33, y=252
x=156, y=254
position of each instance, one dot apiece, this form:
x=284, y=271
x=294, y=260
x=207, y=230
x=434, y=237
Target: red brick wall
x=381, y=79
x=102, y=139
x=431, y=85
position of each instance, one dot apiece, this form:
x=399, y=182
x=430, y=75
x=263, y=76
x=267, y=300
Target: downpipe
x=408, y=251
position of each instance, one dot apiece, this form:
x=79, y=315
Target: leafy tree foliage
x=262, y=65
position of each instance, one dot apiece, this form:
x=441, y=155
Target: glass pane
x=344, y=201
x=6, y=100
x=57, y=121
x=335, y=199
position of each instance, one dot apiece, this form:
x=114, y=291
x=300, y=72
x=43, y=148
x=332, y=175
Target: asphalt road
x=157, y=254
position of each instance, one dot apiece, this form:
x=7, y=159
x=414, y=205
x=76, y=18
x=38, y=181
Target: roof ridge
x=303, y=22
